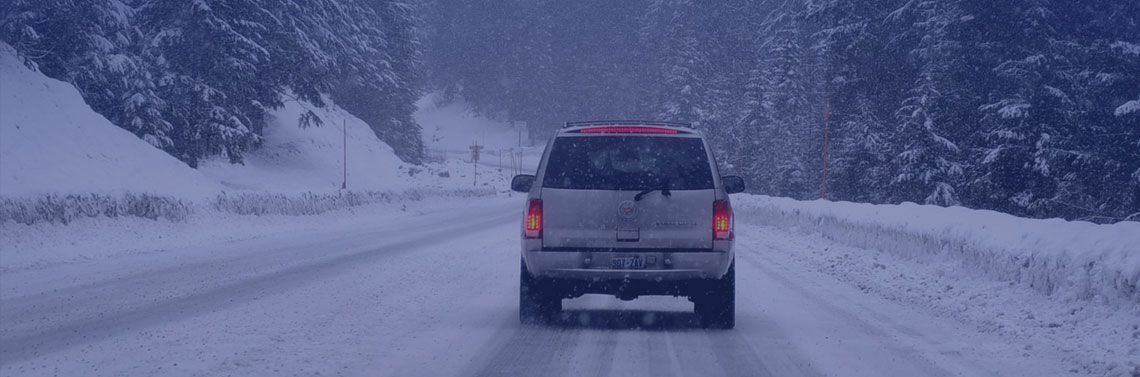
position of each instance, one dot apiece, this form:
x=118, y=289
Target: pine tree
x=929, y=166
x=1105, y=81
x=211, y=57
x=382, y=80
x=862, y=151
x=1032, y=126
x=682, y=63
x=861, y=76
x=402, y=29
x=778, y=117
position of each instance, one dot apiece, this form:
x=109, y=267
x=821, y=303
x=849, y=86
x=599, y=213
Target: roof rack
x=627, y=123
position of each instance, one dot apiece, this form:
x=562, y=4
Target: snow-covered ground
x=432, y=290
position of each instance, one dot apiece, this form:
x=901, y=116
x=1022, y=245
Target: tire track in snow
x=670, y=344
x=735, y=355
x=529, y=351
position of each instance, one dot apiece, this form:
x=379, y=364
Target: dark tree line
x=1030, y=107
x=197, y=78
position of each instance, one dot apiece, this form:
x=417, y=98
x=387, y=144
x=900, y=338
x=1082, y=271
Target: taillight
x=533, y=226
x=722, y=220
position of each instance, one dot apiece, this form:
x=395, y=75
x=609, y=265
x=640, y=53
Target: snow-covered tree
x=197, y=78
x=383, y=75
x=682, y=65
x=1025, y=106
x=928, y=167
x=1032, y=153
x=862, y=151
x=211, y=58
x=779, y=118
x=863, y=69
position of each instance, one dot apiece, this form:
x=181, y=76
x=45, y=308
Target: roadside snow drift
x=1072, y=260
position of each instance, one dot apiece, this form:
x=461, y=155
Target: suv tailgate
x=589, y=219
x=590, y=185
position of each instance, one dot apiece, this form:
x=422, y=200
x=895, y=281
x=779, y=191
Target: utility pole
x=501, y=151
x=826, y=146
x=521, y=128
x=344, y=154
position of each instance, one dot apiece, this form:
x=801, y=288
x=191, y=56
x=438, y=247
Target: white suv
x=628, y=208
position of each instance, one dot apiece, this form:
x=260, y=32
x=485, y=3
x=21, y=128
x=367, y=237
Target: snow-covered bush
x=310, y=203
x=1072, y=260
x=63, y=209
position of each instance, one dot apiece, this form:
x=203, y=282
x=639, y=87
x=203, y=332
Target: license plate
x=627, y=263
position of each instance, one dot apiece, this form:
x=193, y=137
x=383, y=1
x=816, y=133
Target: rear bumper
x=661, y=265
x=572, y=274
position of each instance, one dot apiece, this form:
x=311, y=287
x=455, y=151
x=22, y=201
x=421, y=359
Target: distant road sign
x=475, y=149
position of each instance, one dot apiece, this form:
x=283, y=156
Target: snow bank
x=1073, y=260
x=316, y=203
x=52, y=143
x=58, y=209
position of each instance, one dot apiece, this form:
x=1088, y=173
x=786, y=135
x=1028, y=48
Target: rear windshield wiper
x=664, y=191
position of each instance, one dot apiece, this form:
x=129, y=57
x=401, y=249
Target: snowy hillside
x=63, y=165
x=297, y=159
x=89, y=155
x=69, y=177
x=52, y=142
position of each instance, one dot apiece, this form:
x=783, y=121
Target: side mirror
x=732, y=184
x=522, y=182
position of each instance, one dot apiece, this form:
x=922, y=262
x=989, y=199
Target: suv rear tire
x=538, y=302
x=716, y=306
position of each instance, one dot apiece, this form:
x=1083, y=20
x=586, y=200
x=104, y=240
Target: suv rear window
x=628, y=163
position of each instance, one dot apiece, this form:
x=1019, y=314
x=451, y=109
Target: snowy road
x=435, y=293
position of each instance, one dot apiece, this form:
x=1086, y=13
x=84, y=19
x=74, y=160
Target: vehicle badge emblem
x=627, y=209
